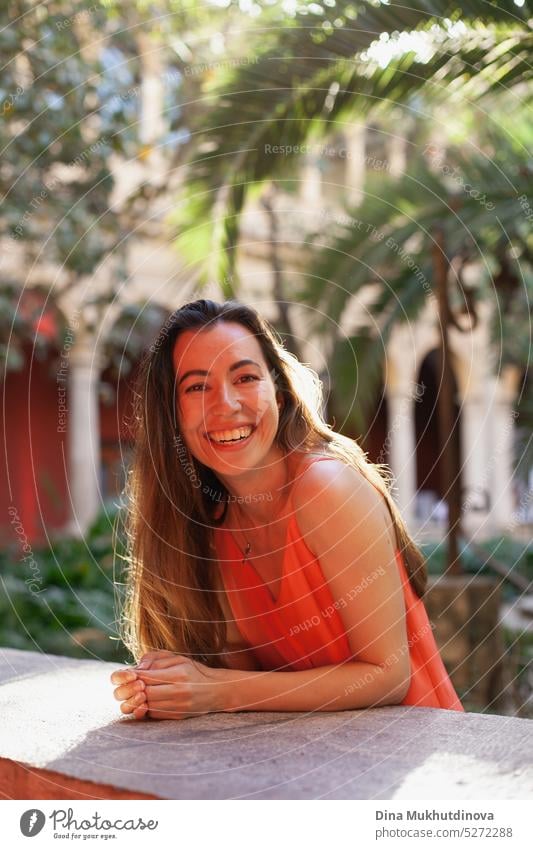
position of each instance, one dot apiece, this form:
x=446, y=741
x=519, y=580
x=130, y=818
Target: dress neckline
x=244, y=563
x=274, y=602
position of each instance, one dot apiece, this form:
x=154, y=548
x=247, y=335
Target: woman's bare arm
x=240, y=656
x=346, y=686
x=355, y=546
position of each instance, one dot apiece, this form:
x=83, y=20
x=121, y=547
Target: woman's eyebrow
x=243, y=363
x=204, y=373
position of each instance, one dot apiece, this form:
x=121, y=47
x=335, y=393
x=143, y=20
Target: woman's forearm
x=239, y=658
x=346, y=686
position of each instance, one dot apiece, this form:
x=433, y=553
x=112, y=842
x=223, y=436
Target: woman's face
x=226, y=398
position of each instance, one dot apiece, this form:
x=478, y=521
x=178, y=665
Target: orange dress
x=303, y=629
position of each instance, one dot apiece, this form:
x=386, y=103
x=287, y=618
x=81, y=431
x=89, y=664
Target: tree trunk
x=450, y=463
x=284, y=324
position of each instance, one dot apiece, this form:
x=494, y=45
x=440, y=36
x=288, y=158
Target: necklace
x=248, y=547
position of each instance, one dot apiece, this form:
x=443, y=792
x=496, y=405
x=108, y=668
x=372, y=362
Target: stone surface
x=58, y=714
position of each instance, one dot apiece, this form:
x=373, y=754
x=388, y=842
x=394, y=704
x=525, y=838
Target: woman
x=269, y=567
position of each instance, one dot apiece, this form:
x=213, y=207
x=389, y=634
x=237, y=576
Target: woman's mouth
x=230, y=438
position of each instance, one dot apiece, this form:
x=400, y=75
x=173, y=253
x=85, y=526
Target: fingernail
x=143, y=664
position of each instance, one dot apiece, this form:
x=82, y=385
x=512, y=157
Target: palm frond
x=312, y=77
x=476, y=200
x=383, y=248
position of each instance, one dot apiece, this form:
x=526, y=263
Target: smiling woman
x=269, y=567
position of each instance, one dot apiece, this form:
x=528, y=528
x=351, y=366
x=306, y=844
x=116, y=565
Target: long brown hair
x=174, y=500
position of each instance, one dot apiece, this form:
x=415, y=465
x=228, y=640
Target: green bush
x=517, y=555
x=67, y=602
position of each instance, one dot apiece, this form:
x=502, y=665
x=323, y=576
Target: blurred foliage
x=517, y=555
x=75, y=86
x=442, y=71
x=55, y=179
x=28, y=319
x=75, y=611
x=314, y=72
x=381, y=252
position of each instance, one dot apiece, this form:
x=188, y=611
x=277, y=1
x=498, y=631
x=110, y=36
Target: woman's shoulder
x=332, y=489
x=312, y=478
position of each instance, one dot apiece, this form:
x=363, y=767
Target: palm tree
x=308, y=73
x=309, y=78
x=448, y=230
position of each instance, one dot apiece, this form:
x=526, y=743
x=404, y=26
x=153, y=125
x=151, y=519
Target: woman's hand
x=130, y=691
x=165, y=685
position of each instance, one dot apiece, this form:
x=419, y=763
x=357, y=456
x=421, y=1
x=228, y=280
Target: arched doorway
x=376, y=439
x=115, y=403
x=430, y=477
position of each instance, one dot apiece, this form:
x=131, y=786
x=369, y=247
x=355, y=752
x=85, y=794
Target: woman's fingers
x=148, y=659
x=163, y=710
x=123, y=676
x=161, y=692
x=161, y=674
x=166, y=710
x=127, y=691
x=129, y=673
x=132, y=704
x=141, y=712
x=157, y=676
x=152, y=683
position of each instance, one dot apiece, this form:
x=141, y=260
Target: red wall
x=33, y=452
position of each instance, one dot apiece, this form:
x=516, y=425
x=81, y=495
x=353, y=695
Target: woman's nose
x=227, y=398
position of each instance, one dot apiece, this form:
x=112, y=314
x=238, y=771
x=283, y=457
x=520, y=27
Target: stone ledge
x=20, y=781
x=62, y=734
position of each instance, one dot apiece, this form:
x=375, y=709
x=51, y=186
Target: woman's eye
x=247, y=378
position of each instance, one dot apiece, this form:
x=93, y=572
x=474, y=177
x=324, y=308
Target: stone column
x=311, y=184
x=397, y=151
x=84, y=436
x=402, y=450
x=152, y=121
x=477, y=494
x=355, y=135
x=502, y=416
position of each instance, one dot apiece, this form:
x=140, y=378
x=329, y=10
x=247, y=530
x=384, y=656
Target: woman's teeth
x=231, y=435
